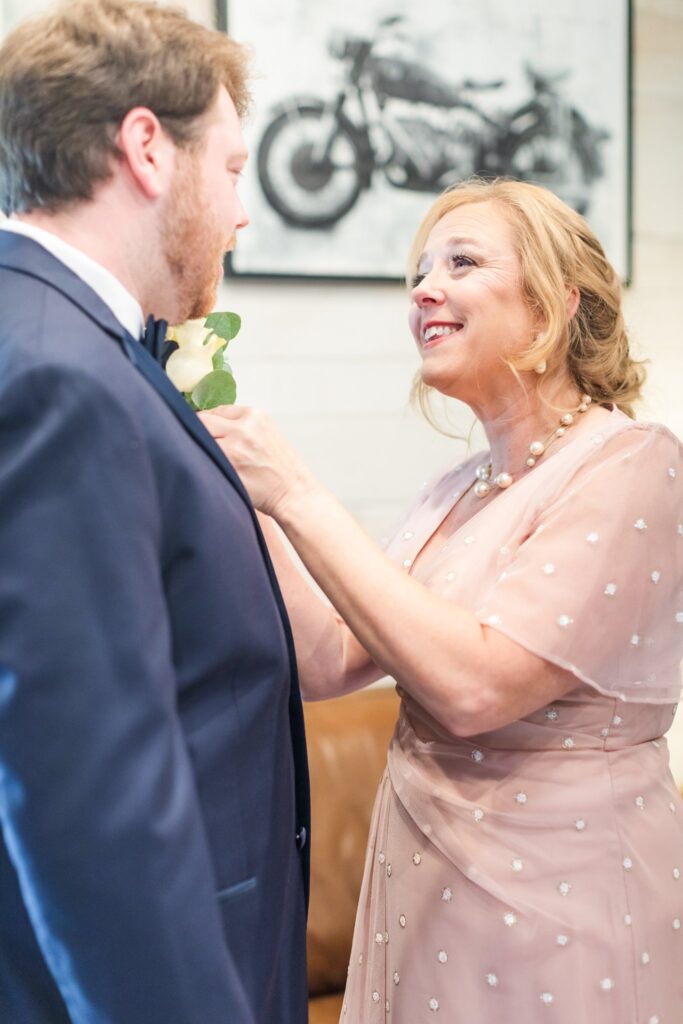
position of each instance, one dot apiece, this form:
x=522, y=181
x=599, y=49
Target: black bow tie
x=154, y=340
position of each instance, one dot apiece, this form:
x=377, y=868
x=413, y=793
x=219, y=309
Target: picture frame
x=363, y=118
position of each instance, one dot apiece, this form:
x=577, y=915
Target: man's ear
x=147, y=151
x=573, y=299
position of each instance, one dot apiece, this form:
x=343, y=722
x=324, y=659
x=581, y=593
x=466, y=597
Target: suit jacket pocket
x=239, y=907
x=239, y=889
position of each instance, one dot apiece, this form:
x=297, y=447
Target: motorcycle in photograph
x=316, y=157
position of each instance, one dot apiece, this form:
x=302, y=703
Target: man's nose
x=242, y=217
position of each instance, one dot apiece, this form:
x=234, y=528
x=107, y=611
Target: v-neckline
x=474, y=460
x=443, y=515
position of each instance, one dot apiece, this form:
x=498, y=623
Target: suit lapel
x=151, y=370
x=157, y=378
x=153, y=373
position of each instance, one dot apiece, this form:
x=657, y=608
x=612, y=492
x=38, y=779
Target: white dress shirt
x=125, y=308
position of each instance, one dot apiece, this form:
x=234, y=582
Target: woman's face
x=467, y=310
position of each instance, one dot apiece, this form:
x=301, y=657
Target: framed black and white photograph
x=365, y=110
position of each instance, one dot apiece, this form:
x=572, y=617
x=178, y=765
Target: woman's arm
x=467, y=675
x=330, y=660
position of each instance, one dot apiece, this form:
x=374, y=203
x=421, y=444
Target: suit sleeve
x=97, y=799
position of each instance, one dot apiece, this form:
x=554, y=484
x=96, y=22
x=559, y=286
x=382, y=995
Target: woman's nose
x=428, y=292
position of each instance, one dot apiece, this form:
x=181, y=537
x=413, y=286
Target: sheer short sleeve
x=597, y=587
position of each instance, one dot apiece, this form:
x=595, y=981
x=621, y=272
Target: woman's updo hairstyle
x=557, y=251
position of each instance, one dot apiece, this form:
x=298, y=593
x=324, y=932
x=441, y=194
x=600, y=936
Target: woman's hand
x=272, y=472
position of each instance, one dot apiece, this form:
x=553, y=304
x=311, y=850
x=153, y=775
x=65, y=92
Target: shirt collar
x=116, y=296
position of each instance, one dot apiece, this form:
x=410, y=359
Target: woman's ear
x=573, y=299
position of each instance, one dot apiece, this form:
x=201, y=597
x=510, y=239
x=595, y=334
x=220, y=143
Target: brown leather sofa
x=347, y=747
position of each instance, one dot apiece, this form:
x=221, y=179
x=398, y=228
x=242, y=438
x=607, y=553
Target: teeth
x=439, y=331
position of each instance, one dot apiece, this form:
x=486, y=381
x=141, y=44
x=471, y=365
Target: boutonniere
x=199, y=367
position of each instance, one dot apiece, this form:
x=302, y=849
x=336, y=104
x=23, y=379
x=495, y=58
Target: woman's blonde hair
x=557, y=251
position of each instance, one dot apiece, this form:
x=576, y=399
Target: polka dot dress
x=534, y=873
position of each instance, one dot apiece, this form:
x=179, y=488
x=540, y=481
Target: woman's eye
x=459, y=260
x=416, y=280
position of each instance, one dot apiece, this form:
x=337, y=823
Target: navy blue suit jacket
x=152, y=763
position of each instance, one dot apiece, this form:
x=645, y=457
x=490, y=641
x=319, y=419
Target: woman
x=526, y=850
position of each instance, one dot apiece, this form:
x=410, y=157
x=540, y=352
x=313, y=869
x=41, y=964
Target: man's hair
x=69, y=77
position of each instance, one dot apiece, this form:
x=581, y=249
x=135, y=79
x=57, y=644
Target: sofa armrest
x=347, y=749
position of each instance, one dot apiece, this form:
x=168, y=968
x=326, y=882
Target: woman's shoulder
x=644, y=440
x=619, y=437
x=621, y=423
x=620, y=463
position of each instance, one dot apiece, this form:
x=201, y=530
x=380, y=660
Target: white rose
x=191, y=334
x=193, y=358
x=187, y=366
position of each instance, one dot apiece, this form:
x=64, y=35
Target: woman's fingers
x=218, y=421
x=269, y=467
x=213, y=423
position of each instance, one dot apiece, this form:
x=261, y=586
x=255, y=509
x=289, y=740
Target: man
x=153, y=785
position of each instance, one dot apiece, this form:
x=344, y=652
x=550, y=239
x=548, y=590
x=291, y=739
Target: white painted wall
x=200, y=10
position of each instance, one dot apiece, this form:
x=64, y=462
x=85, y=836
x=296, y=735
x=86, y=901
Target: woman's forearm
x=415, y=636
x=466, y=675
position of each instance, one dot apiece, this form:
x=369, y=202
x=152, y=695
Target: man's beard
x=192, y=247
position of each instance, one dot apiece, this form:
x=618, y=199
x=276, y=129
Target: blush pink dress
x=534, y=874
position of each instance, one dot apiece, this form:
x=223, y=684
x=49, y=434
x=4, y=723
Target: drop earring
x=541, y=367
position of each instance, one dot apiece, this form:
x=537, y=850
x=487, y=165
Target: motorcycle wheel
x=308, y=191
x=554, y=162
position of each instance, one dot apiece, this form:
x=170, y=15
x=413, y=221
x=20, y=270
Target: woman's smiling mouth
x=434, y=332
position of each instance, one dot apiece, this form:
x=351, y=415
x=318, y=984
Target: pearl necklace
x=485, y=482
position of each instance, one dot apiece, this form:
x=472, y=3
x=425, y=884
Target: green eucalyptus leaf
x=217, y=388
x=218, y=358
x=225, y=325
x=188, y=398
